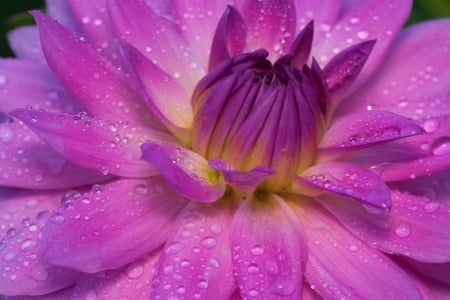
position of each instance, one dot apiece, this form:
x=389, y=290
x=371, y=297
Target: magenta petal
x=197, y=257
x=271, y=25
x=415, y=89
x=415, y=227
x=340, y=266
x=129, y=282
x=343, y=69
x=117, y=144
x=27, y=162
x=229, y=38
x=28, y=83
x=112, y=225
x=25, y=43
x=157, y=38
x=375, y=20
x=24, y=272
x=268, y=256
x=368, y=128
x=347, y=180
x=248, y=180
x=302, y=45
x=438, y=272
x=92, y=79
x=187, y=172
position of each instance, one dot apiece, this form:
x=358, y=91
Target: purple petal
x=93, y=80
x=157, y=38
x=187, y=172
x=368, y=128
x=60, y=11
x=438, y=272
x=229, y=38
x=343, y=69
x=271, y=25
x=347, y=180
x=162, y=93
x=24, y=272
x=415, y=89
x=375, y=20
x=117, y=144
x=93, y=21
x=27, y=162
x=415, y=227
x=26, y=83
x=248, y=180
x=302, y=45
x=340, y=266
x=267, y=256
x=129, y=282
x=112, y=225
x=25, y=43
x=196, y=260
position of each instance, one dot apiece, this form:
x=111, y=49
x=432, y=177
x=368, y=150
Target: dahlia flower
x=273, y=149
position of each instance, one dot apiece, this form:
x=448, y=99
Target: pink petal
x=60, y=11
x=187, y=172
x=368, y=128
x=27, y=162
x=93, y=20
x=416, y=89
x=415, y=227
x=197, y=22
x=24, y=272
x=268, y=256
x=340, y=266
x=196, y=260
x=271, y=25
x=27, y=83
x=431, y=289
x=25, y=43
x=129, y=282
x=92, y=79
x=345, y=179
x=112, y=225
x=229, y=38
x=157, y=38
x=117, y=144
x=162, y=93
x=376, y=20
x=438, y=272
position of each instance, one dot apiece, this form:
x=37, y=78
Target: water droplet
x=141, y=189
x=202, y=284
x=283, y=286
x=431, y=207
x=135, y=271
x=9, y=257
x=363, y=35
x=57, y=219
x=403, y=230
x=441, y=146
x=253, y=293
x=174, y=248
x=168, y=269
x=431, y=125
x=2, y=79
x=6, y=134
x=213, y=262
x=257, y=250
x=28, y=245
x=253, y=269
x=353, y=248
x=271, y=267
x=39, y=274
x=209, y=242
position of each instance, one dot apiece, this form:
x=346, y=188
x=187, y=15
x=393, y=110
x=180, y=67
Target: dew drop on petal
x=141, y=189
x=6, y=134
x=257, y=250
x=403, y=230
x=431, y=125
x=209, y=242
x=9, y=257
x=57, y=219
x=431, y=207
x=253, y=269
x=135, y=271
x=271, y=267
x=39, y=274
x=28, y=245
x=441, y=146
x=174, y=248
x=283, y=286
x=363, y=35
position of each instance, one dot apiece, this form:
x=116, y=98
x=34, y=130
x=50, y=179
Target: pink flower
x=226, y=150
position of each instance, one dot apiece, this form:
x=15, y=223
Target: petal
x=26, y=44
x=197, y=22
x=187, y=172
x=415, y=227
x=60, y=10
x=248, y=180
x=368, y=128
x=379, y=20
x=24, y=272
x=325, y=13
x=93, y=80
x=438, y=272
x=229, y=38
x=196, y=260
x=93, y=21
x=157, y=38
x=339, y=266
x=117, y=144
x=129, y=282
x=112, y=225
x=347, y=180
x=268, y=256
x=162, y=93
x=301, y=47
x=27, y=162
x=271, y=25
x=26, y=83
x=418, y=88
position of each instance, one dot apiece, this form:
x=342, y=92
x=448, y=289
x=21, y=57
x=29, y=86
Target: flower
x=272, y=149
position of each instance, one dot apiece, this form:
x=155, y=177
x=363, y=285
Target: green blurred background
x=13, y=14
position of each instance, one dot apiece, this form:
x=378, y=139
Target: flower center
x=251, y=113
